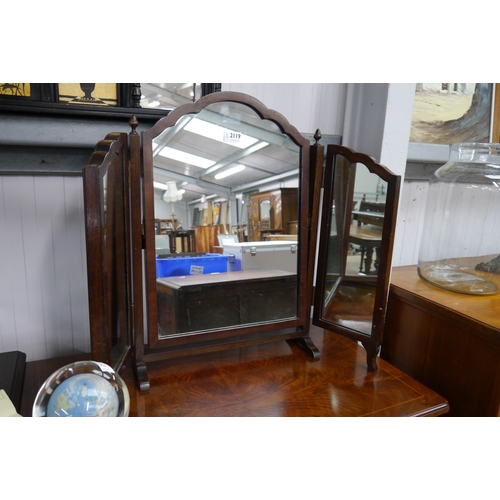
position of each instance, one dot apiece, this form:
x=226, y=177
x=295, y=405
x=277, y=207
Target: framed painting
x=110, y=100
x=91, y=94
x=70, y=98
x=25, y=93
x=15, y=90
x=447, y=113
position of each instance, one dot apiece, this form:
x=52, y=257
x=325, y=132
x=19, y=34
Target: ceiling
x=224, y=135
x=168, y=95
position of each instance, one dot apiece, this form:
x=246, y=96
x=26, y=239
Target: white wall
x=378, y=122
x=410, y=223
x=43, y=271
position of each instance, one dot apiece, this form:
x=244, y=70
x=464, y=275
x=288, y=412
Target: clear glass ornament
x=460, y=246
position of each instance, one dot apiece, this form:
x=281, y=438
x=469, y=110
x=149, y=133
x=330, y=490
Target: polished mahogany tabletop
x=268, y=380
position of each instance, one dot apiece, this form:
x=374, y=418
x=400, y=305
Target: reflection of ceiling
x=168, y=95
x=259, y=145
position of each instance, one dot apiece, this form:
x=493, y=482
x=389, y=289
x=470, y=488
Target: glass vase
x=460, y=246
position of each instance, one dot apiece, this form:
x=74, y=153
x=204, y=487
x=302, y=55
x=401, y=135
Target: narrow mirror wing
x=107, y=229
x=356, y=239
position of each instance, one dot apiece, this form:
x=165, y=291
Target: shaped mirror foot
x=141, y=373
x=372, y=353
x=307, y=345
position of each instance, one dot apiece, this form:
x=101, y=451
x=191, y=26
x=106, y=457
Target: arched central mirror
x=233, y=283
x=357, y=233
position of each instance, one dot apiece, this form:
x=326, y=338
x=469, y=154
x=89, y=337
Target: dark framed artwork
x=90, y=94
x=101, y=99
x=15, y=90
x=71, y=98
x=25, y=93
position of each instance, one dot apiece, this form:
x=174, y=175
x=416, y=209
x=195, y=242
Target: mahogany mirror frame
x=106, y=208
x=331, y=181
x=296, y=329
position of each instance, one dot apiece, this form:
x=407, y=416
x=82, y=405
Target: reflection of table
x=369, y=239
x=188, y=241
x=266, y=232
x=281, y=237
x=207, y=301
x=373, y=218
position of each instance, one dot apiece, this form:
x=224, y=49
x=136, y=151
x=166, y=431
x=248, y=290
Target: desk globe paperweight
x=83, y=389
x=460, y=244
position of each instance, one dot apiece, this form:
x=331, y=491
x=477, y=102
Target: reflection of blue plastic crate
x=185, y=265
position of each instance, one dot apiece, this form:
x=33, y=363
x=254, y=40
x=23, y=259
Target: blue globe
x=84, y=395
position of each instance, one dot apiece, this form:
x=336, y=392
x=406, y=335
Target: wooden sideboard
x=275, y=379
x=448, y=341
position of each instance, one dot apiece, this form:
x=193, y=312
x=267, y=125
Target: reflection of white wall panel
x=366, y=185
x=163, y=210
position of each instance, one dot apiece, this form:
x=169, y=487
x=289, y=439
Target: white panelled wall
x=43, y=277
x=43, y=271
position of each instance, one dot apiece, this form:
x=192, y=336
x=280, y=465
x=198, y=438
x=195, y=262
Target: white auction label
x=230, y=136
x=196, y=270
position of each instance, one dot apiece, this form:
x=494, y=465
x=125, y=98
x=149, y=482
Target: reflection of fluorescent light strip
x=163, y=187
x=159, y=185
x=175, y=154
x=230, y=171
x=216, y=133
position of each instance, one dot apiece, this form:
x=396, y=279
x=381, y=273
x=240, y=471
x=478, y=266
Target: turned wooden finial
x=135, y=95
x=133, y=124
x=317, y=136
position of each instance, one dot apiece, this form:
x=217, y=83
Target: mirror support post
x=317, y=154
x=136, y=256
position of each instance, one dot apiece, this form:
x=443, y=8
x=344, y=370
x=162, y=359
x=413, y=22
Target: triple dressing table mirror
x=359, y=209
x=134, y=308
x=177, y=315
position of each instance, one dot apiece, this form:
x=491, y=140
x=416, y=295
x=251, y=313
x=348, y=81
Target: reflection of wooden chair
x=370, y=212
x=186, y=238
x=369, y=240
x=368, y=233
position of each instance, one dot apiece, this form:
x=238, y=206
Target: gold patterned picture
x=15, y=89
x=95, y=94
